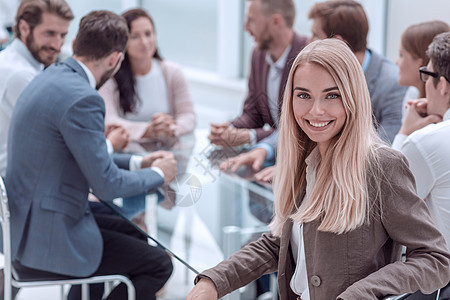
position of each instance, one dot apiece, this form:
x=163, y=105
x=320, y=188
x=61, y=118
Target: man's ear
x=277, y=19
x=114, y=58
x=24, y=29
x=444, y=90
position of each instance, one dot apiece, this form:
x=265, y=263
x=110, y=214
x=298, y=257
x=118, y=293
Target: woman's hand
x=203, y=290
x=161, y=125
x=118, y=136
x=416, y=117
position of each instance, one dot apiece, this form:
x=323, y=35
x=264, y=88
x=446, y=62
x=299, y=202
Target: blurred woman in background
x=148, y=96
x=412, y=52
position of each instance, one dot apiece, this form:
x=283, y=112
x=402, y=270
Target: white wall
x=219, y=98
x=402, y=13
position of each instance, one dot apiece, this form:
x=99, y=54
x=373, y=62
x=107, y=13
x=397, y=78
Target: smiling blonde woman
x=344, y=202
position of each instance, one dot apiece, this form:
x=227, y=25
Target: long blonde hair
x=339, y=198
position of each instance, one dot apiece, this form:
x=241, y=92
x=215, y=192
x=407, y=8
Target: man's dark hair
x=285, y=8
x=345, y=18
x=439, y=53
x=100, y=33
x=31, y=12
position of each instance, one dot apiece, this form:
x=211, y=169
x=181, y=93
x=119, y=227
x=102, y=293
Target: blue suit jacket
x=58, y=152
x=386, y=96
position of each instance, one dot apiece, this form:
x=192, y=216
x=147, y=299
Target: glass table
x=211, y=213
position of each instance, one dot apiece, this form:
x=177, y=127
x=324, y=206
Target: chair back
x=6, y=230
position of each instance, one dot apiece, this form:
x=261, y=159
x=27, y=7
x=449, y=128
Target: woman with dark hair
x=148, y=96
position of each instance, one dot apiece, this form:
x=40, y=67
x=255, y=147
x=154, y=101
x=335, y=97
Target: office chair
x=10, y=280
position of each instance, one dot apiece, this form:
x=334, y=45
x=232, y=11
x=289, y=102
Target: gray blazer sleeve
x=386, y=96
x=122, y=160
x=86, y=141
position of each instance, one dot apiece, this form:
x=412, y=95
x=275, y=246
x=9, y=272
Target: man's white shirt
x=428, y=154
x=18, y=67
x=135, y=160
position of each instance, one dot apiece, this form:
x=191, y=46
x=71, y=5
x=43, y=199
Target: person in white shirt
x=41, y=28
x=424, y=135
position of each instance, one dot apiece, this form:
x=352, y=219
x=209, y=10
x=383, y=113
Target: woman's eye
x=333, y=96
x=303, y=96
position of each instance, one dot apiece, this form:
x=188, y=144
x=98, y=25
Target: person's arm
x=226, y=135
x=180, y=99
x=390, y=114
x=415, y=118
x=252, y=261
x=162, y=162
x=251, y=116
x=406, y=219
x=270, y=144
x=82, y=127
x=110, y=94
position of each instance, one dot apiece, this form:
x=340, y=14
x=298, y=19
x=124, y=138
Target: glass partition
x=186, y=31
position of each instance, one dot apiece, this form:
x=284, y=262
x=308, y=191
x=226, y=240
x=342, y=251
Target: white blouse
x=299, y=281
x=152, y=91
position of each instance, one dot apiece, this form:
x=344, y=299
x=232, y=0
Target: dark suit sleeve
x=252, y=116
x=82, y=127
x=255, y=259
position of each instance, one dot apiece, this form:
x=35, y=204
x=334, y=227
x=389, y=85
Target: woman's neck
x=139, y=67
x=421, y=88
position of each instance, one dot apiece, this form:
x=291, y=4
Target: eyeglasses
x=425, y=74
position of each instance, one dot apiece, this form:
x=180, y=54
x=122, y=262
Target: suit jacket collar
x=373, y=69
x=76, y=67
x=298, y=43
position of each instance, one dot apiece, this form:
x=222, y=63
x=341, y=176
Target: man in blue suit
x=58, y=154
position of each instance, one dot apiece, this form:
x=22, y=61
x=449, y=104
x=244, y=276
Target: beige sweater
x=180, y=103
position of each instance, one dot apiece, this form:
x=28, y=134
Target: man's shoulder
x=382, y=68
x=12, y=62
x=382, y=78
x=437, y=131
x=299, y=42
x=258, y=55
x=431, y=138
